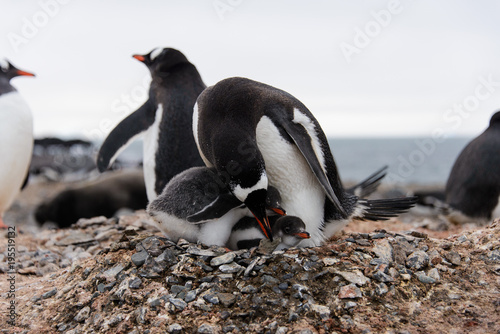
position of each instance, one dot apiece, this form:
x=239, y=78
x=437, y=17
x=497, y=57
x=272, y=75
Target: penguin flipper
x=218, y=208
x=303, y=141
x=134, y=124
x=384, y=209
x=369, y=185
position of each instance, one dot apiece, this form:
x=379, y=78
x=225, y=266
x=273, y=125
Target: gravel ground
x=412, y=275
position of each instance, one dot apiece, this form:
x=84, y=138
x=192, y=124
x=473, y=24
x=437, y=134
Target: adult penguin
x=16, y=137
x=473, y=186
x=165, y=118
x=258, y=136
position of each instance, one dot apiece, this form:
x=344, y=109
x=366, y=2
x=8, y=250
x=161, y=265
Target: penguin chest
x=290, y=173
x=150, y=147
x=16, y=137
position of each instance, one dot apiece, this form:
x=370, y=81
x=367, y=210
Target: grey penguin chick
x=197, y=205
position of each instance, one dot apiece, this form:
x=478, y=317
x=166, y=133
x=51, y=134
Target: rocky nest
x=121, y=276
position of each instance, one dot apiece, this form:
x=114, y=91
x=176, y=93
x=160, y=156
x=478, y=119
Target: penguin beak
x=303, y=235
x=139, y=58
x=263, y=221
x=28, y=74
x=279, y=211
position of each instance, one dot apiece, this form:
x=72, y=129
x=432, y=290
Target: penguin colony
x=241, y=161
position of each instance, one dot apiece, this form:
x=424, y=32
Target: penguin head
x=162, y=60
x=254, y=197
x=9, y=71
x=273, y=201
x=495, y=119
x=291, y=230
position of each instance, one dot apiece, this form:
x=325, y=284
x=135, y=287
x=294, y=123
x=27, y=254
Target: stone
x=248, y=289
x=453, y=257
x=76, y=238
x=269, y=279
x=383, y=250
x=422, y=277
x=355, y=277
x=110, y=274
x=349, y=291
x=190, y=296
x=417, y=260
x=226, y=299
x=200, y=252
x=282, y=330
x=211, y=298
x=206, y=329
x=153, y=245
x=223, y=259
x=139, y=258
x=49, y=294
x=135, y=283
x=321, y=310
x=174, y=329
x=350, y=305
x=434, y=274
x=329, y=261
x=178, y=303
x=231, y=268
x=83, y=314
x=382, y=277
x=381, y=289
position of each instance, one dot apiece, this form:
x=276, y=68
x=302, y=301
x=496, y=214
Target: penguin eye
x=287, y=230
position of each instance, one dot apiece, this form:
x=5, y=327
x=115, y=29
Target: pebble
x=434, y=274
x=383, y=250
x=135, y=283
x=206, y=329
x=453, y=257
x=211, y=298
x=355, y=277
x=49, y=294
x=321, y=310
x=231, y=268
x=248, y=289
x=381, y=289
x=223, y=259
x=174, y=329
x=178, y=303
x=139, y=258
x=350, y=305
x=349, y=291
x=422, y=277
x=417, y=260
x=382, y=277
x=226, y=299
x=83, y=314
x=110, y=274
x=193, y=250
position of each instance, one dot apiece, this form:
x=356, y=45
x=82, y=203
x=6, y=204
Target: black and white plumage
x=259, y=135
x=473, y=186
x=246, y=233
x=196, y=205
x=165, y=119
x=16, y=137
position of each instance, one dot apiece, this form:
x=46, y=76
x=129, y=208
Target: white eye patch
x=155, y=53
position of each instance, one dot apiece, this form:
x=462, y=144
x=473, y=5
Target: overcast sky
x=364, y=68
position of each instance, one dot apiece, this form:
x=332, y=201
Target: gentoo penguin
x=258, y=136
x=16, y=137
x=103, y=197
x=196, y=205
x=473, y=186
x=165, y=118
x=247, y=234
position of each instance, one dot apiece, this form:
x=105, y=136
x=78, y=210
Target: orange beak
x=303, y=235
x=19, y=72
x=139, y=57
x=265, y=226
x=279, y=211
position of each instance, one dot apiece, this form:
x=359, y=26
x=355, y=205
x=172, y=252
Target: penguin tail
x=369, y=185
x=384, y=209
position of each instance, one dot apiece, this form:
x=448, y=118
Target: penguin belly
x=289, y=172
x=16, y=137
x=150, y=146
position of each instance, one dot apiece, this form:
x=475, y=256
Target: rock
x=226, y=299
x=383, y=250
x=248, y=289
x=110, y=274
x=417, y=260
x=190, y=296
x=200, y=252
x=83, y=314
x=153, y=245
x=269, y=279
x=211, y=298
x=174, y=329
x=453, y=257
x=381, y=289
x=76, y=238
x=135, y=283
x=434, y=274
x=282, y=330
x=267, y=246
x=223, y=259
x=355, y=277
x=139, y=258
x=49, y=294
x=350, y=305
x=349, y=291
x=329, y=261
x=231, y=268
x=206, y=329
x=321, y=310
x=382, y=277
x=422, y=277
x=178, y=303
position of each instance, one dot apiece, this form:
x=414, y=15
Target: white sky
x=429, y=57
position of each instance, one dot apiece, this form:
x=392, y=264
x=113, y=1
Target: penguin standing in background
x=258, y=136
x=196, y=205
x=165, y=118
x=16, y=137
x=473, y=186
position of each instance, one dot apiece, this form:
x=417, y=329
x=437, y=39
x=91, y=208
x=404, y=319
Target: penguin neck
x=5, y=86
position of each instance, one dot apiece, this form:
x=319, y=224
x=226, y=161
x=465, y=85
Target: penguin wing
x=136, y=123
x=369, y=185
x=218, y=208
x=304, y=143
